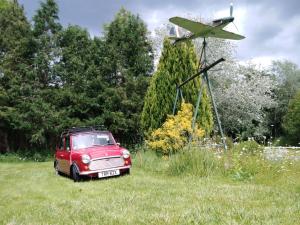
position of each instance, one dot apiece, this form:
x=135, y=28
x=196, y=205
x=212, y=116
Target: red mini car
x=90, y=152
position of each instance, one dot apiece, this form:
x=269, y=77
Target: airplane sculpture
x=197, y=29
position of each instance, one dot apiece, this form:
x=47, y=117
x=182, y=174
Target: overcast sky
x=272, y=28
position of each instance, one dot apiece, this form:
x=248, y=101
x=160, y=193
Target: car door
x=65, y=156
x=59, y=153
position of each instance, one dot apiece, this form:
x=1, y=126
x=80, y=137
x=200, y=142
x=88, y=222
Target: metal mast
x=202, y=69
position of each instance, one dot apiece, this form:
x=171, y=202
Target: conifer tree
x=176, y=64
x=127, y=67
x=46, y=30
x=15, y=69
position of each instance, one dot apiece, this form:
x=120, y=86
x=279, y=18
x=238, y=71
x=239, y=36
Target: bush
x=248, y=147
x=11, y=157
x=194, y=161
x=27, y=155
x=175, y=132
x=291, y=123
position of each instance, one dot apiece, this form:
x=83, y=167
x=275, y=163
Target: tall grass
x=244, y=162
x=150, y=161
x=194, y=161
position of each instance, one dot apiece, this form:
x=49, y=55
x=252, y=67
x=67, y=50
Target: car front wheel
x=126, y=172
x=75, y=174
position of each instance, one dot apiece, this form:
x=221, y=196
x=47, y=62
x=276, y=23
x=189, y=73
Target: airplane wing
x=219, y=33
x=173, y=38
x=192, y=26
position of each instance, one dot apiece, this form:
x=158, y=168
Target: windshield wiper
x=103, y=144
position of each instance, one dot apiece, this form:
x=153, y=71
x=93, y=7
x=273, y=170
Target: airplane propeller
x=231, y=9
x=231, y=13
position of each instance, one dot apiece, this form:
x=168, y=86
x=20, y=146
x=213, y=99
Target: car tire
x=56, y=168
x=75, y=174
x=127, y=172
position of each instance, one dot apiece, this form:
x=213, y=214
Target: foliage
x=128, y=43
x=175, y=132
x=287, y=74
x=15, y=70
x=26, y=156
x=52, y=78
x=176, y=64
x=45, y=30
x=127, y=65
x=242, y=97
x=292, y=120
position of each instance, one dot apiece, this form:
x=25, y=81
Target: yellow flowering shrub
x=175, y=132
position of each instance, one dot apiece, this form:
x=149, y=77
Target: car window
x=68, y=143
x=87, y=140
x=61, y=143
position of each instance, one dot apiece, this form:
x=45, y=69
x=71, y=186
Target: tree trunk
x=4, y=146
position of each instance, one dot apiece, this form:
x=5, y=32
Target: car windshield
x=87, y=140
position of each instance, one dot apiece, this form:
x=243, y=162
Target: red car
x=90, y=152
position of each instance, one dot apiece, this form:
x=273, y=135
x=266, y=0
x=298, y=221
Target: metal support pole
x=204, y=71
x=181, y=95
x=206, y=68
x=212, y=96
x=176, y=99
x=215, y=109
x=197, y=106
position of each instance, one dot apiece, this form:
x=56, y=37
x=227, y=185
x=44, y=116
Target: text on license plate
x=109, y=173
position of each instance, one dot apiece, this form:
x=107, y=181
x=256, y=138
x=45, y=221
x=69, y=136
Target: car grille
x=106, y=163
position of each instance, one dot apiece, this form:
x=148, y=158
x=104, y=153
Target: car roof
x=77, y=130
x=89, y=132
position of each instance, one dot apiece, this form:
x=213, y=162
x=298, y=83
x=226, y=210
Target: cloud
x=272, y=28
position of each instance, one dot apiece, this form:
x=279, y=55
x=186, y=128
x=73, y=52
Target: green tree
x=126, y=69
x=291, y=122
x=16, y=55
x=287, y=75
x=82, y=86
x=130, y=50
x=46, y=30
x=176, y=64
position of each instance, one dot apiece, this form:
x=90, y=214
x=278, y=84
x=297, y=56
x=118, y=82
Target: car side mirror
x=118, y=143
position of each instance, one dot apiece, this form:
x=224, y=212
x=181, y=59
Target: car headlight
x=125, y=154
x=85, y=159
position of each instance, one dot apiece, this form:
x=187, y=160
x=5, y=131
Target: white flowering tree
x=243, y=94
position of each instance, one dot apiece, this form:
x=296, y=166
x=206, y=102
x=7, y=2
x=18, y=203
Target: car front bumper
x=89, y=172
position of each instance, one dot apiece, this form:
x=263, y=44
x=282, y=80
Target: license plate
x=109, y=173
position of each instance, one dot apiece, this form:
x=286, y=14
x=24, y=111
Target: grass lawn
x=30, y=193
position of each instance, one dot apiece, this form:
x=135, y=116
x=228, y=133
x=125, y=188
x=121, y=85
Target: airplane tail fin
x=177, y=39
x=174, y=34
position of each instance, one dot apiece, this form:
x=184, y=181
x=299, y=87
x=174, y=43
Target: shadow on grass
x=91, y=179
